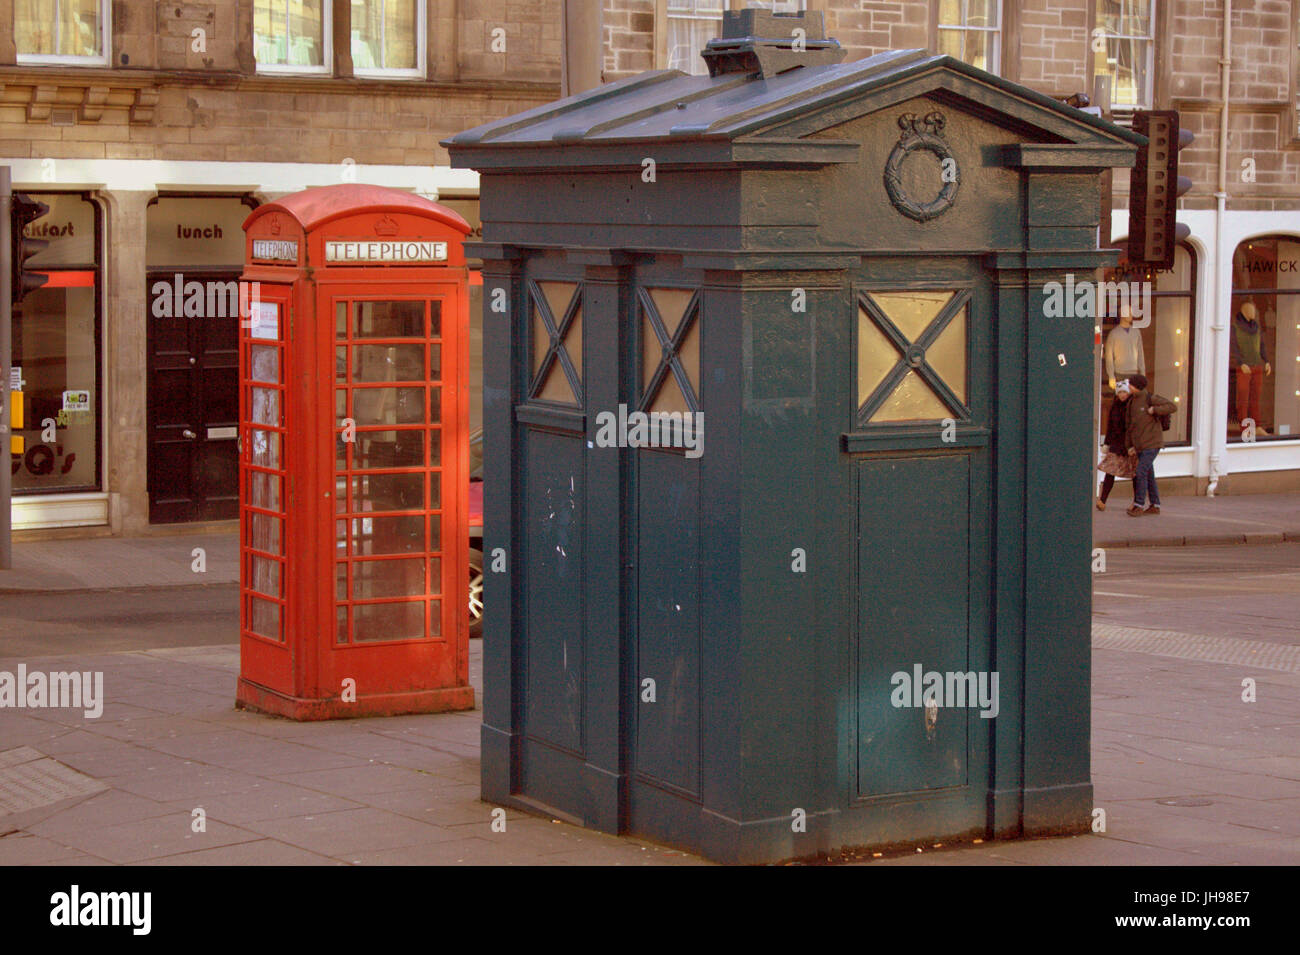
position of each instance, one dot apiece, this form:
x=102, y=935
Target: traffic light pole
x=6, y=347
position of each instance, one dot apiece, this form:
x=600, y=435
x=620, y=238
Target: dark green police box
x=788, y=469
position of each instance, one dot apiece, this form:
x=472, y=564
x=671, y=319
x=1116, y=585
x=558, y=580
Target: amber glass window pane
x=912, y=400
x=911, y=312
x=947, y=356
x=876, y=356
x=671, y=304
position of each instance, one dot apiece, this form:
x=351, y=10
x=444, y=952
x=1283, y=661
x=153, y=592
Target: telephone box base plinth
x=260, y=699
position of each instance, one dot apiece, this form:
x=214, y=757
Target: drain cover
x=30, y=780
x=1186, y=801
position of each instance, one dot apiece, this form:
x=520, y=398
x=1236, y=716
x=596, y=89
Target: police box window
x=1264, y=341
x=56, y=353
x=1156, y=336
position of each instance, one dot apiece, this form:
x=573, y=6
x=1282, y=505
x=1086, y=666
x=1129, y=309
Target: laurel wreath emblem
x=927, y=134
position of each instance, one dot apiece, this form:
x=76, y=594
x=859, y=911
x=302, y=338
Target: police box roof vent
x=760, y=41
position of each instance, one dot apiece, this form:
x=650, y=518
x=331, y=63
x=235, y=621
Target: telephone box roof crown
x=318, y=205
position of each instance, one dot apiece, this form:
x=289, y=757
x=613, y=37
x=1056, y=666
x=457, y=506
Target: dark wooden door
x=193, y=396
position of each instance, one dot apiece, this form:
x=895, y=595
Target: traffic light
x=24, y=211
x=1154, y=189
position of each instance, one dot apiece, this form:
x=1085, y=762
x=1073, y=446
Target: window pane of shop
x=384, y=34
x=289, y=32
x=389, y=492
x=58, y=27
x=387, y=535
x=266, y=406
x=372, y=579
x=388, y=363
x=1264, y=341
x=387, y=449
x=388, y=320
x=54, y=356
x=265, y=446
x=403, y=620
x=264, y=576
x=264, y=618
x=264, y=363
x=372, y=406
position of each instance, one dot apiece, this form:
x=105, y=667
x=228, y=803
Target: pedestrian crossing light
x=23, y=212
x=1154, y=189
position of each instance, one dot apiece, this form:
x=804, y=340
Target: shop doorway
x=195, y=248
x=193, y=405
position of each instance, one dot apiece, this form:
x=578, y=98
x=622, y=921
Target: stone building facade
x=151, y=129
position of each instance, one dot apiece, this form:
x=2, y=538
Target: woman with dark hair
x=1116, y=462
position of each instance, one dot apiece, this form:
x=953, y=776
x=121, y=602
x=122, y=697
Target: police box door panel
x=193, y=396
x=919, y=452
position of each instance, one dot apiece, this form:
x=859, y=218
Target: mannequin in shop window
x=1124, y=355
x=1249, y=362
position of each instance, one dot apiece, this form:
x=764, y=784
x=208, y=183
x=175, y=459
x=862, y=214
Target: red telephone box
x=354, y=419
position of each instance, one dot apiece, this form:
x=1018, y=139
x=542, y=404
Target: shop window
x=1159, y=341
x=55, y=32
x=56, y=353
x=1264, y=341
x=1123, y=48
x=971, y=31
x=292, y=36
x=388, y=38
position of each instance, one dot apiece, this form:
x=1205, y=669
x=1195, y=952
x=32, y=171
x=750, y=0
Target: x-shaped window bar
x=912, y=356
x=668, y=346
x=557, y=331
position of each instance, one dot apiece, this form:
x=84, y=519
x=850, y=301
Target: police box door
x=193, y=396
x=919, y=455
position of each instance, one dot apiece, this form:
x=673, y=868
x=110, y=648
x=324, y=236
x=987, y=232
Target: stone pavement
x=1186, y=772
x=110, y=563
x=1239, y=519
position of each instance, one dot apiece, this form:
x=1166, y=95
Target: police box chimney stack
x=760, y=41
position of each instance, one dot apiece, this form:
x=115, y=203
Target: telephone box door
x=398, y=525
x=266, y=534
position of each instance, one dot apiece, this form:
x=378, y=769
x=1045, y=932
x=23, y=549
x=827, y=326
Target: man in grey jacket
x=1145, y=439
x=1124, y=354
